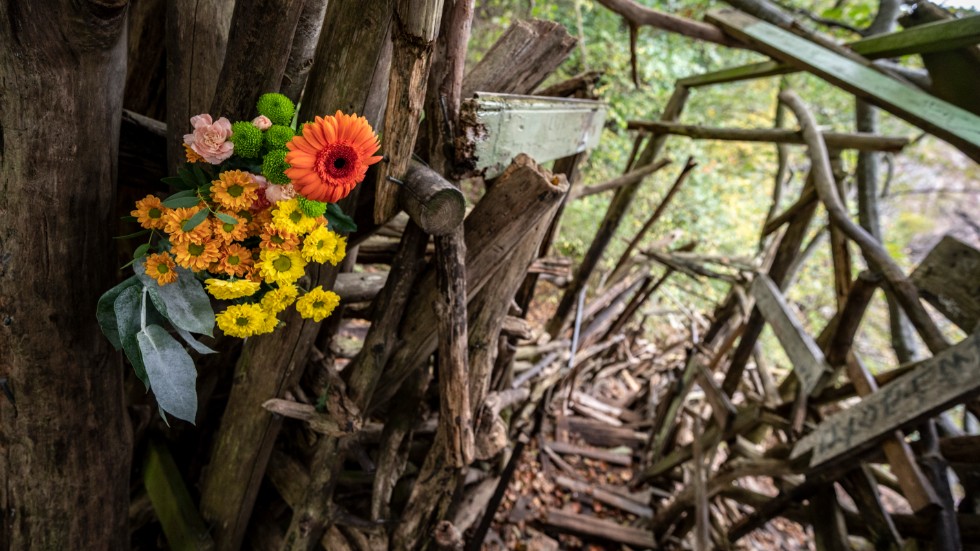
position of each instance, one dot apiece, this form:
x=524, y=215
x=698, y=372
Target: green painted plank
x=948, y=122
x=505, y=125
x=932, y=37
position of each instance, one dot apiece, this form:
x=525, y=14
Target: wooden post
x=301, y=51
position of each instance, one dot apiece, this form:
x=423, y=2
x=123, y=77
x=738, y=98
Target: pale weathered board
x=944, y=120
x=501, y=126
x=949, y=278
x=808, y=360
x=949, y=378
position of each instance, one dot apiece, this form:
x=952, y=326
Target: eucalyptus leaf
x=197, y=345
x=128, y=306
x=194, y=221
x=105, y=311
x=183, y=302
x=171, y=372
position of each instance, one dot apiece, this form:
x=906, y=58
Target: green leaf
x=199, y=176
x=106, y=314
x=197, y=345
x=140, y=251
x=194, y=221
x=182, y=202
x=183, y=302
x=187, y=177
x=338, y=221
x=226, y=218
x=129, y=218
x=128, y=308
x=174, y=181
x=185, y=193
x=131, y=235
x=171, y=372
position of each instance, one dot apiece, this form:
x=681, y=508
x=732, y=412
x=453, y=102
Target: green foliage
x=338, y=221
x=277, y=107
x=310, y=207
x=274, y=166
x=247, y=139
x=170, y=372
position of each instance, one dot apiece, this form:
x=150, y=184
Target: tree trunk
x=64, y=464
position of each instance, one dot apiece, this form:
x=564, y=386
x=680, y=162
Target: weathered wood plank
x=938, y=383
x=933, y=37
x=808, y=360
x=589, y=526
x=959, y=127
x=949, y=278
x=498, y=127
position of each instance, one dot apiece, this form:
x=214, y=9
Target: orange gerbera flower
x=331, y=156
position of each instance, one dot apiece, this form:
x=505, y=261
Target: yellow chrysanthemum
x=279, y=299
x=230, y=290
x=323, y=245
x=234, y=190
x=228, y=232
x=290, y=217
x=175, y=226
x=241, y=320
x=236, y=260
x=196, y=256
x=281, y=267
x=269, y=323
x=161, y=268
x=280, y=240
x=150, y=213
x=317, y=304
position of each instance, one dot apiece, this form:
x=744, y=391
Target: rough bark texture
x=65, y=453
x=305, y=38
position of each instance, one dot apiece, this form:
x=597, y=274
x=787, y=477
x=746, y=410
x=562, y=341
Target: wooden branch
x=638, y=15
x=874, y=252
x=258, y=47
x=301, y=51
x=359, y=287
x=172, y=503
x=628, y=179
x=431, y=201
x=521, y=59
x=834, y=140
x=612, y=458
x=601, y=529
x=860, y=485
x=605, y=496
x=947, y=279
x=577, y=86
x=318, y=422
x=413, y=37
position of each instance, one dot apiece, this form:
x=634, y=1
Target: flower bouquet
x=256, y=204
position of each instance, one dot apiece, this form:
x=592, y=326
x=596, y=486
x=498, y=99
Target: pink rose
x=262, y=122
x=276, y=193
x=210, y=139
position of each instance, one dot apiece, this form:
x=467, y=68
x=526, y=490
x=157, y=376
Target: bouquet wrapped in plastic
x=256, y=205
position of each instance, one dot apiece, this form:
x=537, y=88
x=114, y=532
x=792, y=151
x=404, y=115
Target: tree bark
x=305, y=39
x=65, y=457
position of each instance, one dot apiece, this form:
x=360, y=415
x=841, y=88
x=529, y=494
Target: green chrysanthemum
x=274, y=166
x=277, y=107
x=311, y=208
x=277, y=136
x=247, y=139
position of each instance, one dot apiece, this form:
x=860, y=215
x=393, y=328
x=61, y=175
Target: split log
x=431, y=201
x=301, y=51
x=834, y=140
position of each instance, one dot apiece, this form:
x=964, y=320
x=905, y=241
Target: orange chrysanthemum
x=331, y=156
x=236, y=261
x=196, y=256
x=192, y=156
x=175, y=224
x=161, y=267
x=150, y=213
x=234, y=190
x=279, y=240
x=229, y=232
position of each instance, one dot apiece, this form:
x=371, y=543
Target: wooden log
x=520, y=59
x=258, y=46
x=578, y=86
x=606, y=530
x=949, y=278
x=948, y=122
x=605, y=496
x=318, y=422
x=498, y=221
x=182, y=525
x=627, y=179
x=860, y=485
x=196, y=37
x=412, y=38
x=834, y=140
x=612, y=458
x=359, y=287
x=146, y=64
x=610, y=222
x=301, y=51
x=431, y=201
x=827, y=519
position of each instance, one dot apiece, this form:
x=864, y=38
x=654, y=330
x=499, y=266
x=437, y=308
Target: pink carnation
x=210, y=139
x=261, y=202
x=276, y=193
x=262, y=122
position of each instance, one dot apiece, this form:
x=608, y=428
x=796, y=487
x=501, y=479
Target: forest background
x=927, y=190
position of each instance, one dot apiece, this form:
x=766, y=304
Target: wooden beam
x=431, y=201
x=834, y=140
x=948, y=122
x=808, y=360
x=497, y=127
x=932, y=37
x=949, y=278
x=938, y=383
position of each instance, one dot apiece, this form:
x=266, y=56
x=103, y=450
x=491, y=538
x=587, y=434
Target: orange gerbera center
x=337, y=161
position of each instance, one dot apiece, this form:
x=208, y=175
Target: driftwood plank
x=938, y=383
x=500, y=126
x=809, y=363
x=949, y=278
x=958, y=126
x=604, y=529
